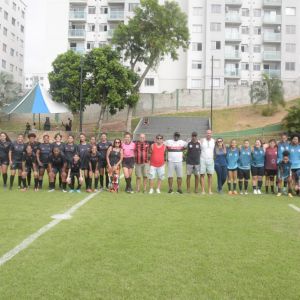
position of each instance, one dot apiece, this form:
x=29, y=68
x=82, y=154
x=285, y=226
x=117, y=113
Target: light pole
x=212, y=93
x=81, y=104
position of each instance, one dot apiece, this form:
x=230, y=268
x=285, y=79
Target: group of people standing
x=98, y=164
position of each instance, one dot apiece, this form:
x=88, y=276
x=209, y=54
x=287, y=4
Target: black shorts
x=4, y=161
x=56, y=170
x=257, y=171
x=102, y=163
x=84, y=166
x=128, y=162
x=16, y=166
x=243, y=174
x=231, y=170
x=44, y=166
x=28, y=169
x=271, y=173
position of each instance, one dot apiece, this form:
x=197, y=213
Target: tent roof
x=36, y=101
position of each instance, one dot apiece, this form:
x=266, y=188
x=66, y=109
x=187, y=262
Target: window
x=290, y=66
x=5, y=15
x=216, y=8
x=257, y=30
x=290, y=48
x=257, y=13
x=245, y=66
x=104, y=10
x=256, y=67
x=196, y=65
x=245, y=12
x=196, y=46
x=12, y=52
x=149, y=81
x=290, y=29
x=257, y=49
x=197, y=11
x=132, y=6
x=13, y=21
x=290, y=11
x=91, y=27
x=245, y=30
x=197, y=28
x=196, y=83
x=22, y=28
x=103, y=27
x=3, y=64
x=5, y=31
x=215, y=26
x=244, y=82
x=92, y=10
x=4, y=47
x=215, y=82
x=215, y=45
x=245, y=48
x=11, y=67
x=90, y=45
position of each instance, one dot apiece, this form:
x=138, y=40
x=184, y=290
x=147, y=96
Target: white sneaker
x=158, y=191
x=259, y=192
x=241, y=193
x=151, y=191
x=246, y=193
x=255, y=192
x=50, y=191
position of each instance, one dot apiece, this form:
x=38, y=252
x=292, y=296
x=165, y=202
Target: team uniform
x=84, y=150
x=44, y=153
x=232, y=157
x=114, y=157
x=128, y=152
x=34, y=146
x=93, y=162
x=258, y=162
x=284, y=175
x=29, y=162
x=244, y=163
x=57, y=163
x=17, y=151
x=4, y=149
x=102, y=150
x=193, y=158
x=60, y=146
x=69, y=152
x=295, y=158
x=142, y=159
x=271, y=156
x=282, y=147
x=75, y=168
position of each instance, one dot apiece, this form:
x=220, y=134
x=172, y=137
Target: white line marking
x=296, y=208
x=29, y=240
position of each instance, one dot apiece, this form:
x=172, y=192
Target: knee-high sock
x=19, y=180
x=12, y=178
x=240, y=185
x=96, y=180
x=36, y=183
x=4, y=178
x=101, y=181
x=106, y=179
x=246, y=185
x=234, y=186
x=29, y=178
x=259, y=184
x=229, y=186
x=24, y=183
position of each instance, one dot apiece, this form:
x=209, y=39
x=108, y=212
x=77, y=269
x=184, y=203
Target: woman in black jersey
x=93, y=141
x=58, y=144
x=28, y=165
x=93, y=168
x=114, y=158
x=84, y=149
x=15, y=156
x=34, y=145
x=5, y=144
x=75, y=172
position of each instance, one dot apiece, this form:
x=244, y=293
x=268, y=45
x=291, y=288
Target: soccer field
x=140, y=246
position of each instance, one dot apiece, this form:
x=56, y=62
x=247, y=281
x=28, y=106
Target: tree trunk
x=100, y=119
x=129, y=118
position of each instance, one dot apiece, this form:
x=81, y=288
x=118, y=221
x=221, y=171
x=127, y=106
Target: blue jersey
x=284, y=170
x=244, y=162
x=281, y=148
x=232, y=157
x=258, y=157
x=295, y=156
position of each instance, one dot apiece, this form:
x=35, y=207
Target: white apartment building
x=12, y=35
x=246, y=38
x=31, y=79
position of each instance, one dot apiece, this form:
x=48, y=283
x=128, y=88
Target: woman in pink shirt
x=128, y=160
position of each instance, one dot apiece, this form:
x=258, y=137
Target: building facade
x=246, y=38
x=12, y=36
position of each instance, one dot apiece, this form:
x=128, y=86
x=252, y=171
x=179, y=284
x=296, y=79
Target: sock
x=246, y=185
x=4, y=178
x=24, y=183
x=86, y=182
x=272, y=189
x=267, y=189
x=29, y=179
x=64, y=185
x=254, y=187
x=106, y=179
x=96, y=182
x=40, y=183
x=19, y=180
x=52, y=185
x=129, y=180
x=229, y=186
x=259, y=184
x=290, y=190
x=12, y=178
x=279, y=190
x=36, y=183
x=127, y=183
x=240, y=185
x=101, y=181
x=234, y=186
x=60, y=181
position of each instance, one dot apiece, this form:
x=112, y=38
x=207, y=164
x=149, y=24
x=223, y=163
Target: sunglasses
x=220, y=141
x=159, y=138
x=117, y=142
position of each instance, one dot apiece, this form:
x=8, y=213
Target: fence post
x=152, y=103
x=177, y=99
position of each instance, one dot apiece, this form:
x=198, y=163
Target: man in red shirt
x=142, y=150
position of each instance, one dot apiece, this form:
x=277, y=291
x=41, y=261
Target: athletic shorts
x=141, y=170
x=16, y=166
x=28, y=169
x=4, y=161
x=231, y=170
x=44, y=166
x=271, y=173
x=102, y=163
x=84, y=166
x=56, y=170
x=257, y=171
x=243, y=174
x=207, y=166
x=192, y=170
x=158, y=172
x=128, y=162
x=175, y=167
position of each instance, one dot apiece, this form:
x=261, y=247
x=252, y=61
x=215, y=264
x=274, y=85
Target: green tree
x=65, y=80
x=156, y=31
x=9, y=90
x=270, y=90
x=292, y=120
x=109, y=83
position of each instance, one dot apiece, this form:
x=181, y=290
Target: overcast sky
x=46, y=33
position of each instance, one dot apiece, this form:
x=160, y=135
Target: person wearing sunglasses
x=220, y=163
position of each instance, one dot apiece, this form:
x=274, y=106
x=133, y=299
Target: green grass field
x=151, y=247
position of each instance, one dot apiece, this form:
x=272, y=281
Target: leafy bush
x=269, y=111
x=292, y=121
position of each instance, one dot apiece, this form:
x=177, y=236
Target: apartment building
x=246, y=38
x=12, y=35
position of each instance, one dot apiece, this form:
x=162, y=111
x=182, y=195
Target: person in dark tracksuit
x=220, y=163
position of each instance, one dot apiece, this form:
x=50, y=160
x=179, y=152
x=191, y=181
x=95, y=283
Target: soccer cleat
x=158, y=191
x=78, y=191
x=71, y=191
x=235, y=193
x=290, y=195
x=259, y=192
x=51, y=190
x=64, y=191
x=229, y=192
x=255, y=192
x=151, y=191
x=170, y=191
x=23, y=190
x=279, y=194
x=179, y=191
x=241, y=193
x=246, y=193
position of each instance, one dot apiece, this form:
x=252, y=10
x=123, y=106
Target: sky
x=46, y=33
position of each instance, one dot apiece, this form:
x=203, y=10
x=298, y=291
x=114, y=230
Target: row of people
x=94, y=161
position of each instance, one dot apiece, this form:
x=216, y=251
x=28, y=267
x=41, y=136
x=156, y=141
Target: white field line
x=296, y=208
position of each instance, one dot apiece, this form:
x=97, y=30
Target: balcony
x=115, y=1
x=77, y=33
x=232, y=37
x=232, y=55
x=233, y=19
x=78, y=50
x=78, y=1
x=272, y=37
x=110, y=33
x=233, y=2
x=269, y=19
x=116, y=15
x=77, y=15
x=273, y=73
x=272, y=55
x=272, y=3
x=233, y=73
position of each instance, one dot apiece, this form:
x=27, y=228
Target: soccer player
x=75, y=172
x=271, y=155
x=58, y=143
x=297, y=182
x=193, y=162
x=29, y=164
x=283, y=146
x=157, y=163
x=295, y=156
x=232, y=157
x=103, y=145
x=128, y=161
x=114, y=157
x=257, y=166
x=57, y=165
x=42, y=155
x=93, y=168
x=15, y=156
x=207, y=161
x=285, y=174
x=220, y=163
x=244, y=166
x=84, y=149
x=175, y=150
x=142, y=150
x=93, y=141
x=34, y=145
x=5, y=144
x=70, y=150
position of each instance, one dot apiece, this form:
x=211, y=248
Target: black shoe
x=170, y=191
x=179, y=191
